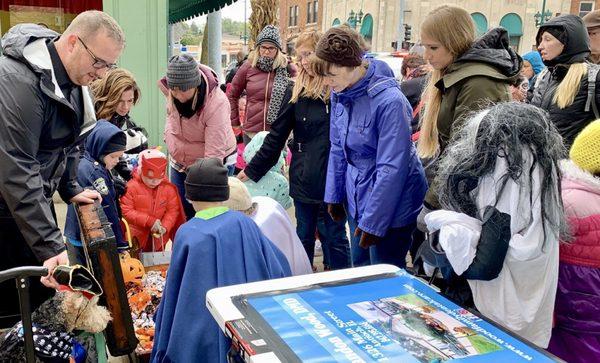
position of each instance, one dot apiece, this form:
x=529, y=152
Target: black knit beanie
x=117, y=142
x=206, y=181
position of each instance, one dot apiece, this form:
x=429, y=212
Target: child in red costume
x=151, y=204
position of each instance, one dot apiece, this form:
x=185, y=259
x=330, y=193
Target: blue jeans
x=178, y=180
x=391, y=249
x=336, y=248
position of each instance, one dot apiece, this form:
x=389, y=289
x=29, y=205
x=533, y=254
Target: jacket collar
x=38, y=56
x=463, y=70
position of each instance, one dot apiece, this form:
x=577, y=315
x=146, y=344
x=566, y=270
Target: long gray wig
x=504, y=130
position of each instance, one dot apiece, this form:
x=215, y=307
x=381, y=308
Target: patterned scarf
x=280, y=83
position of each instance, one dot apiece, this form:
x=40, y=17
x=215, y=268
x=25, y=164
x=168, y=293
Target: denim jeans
x=178, y=180
x=391, y=249
x=336, y=248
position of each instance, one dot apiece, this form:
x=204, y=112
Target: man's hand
x=242, y=176
x=88, y=196
x=366, y=239
x=50, y=264
x=336, y=211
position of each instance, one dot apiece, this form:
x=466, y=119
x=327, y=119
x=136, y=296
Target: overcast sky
x=234, y=11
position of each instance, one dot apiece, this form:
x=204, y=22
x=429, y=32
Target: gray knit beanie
x=183, y=72
x=270, y=34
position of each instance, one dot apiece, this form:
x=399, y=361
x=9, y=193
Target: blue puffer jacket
x=93, y=175
x=373, y=166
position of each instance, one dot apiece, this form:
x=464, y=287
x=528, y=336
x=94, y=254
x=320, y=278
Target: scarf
x=186, y=109
x=280, y=83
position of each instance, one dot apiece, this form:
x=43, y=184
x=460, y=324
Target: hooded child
x=151, y=204
x=273, y=222
x=103, y=148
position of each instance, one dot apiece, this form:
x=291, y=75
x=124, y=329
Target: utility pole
x=400, y=25
x=214, y=28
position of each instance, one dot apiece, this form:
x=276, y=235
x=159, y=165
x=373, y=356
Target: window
x=585, y=7
x=312, y=11
x=293, y=20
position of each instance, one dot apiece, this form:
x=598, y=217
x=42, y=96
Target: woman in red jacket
x=151, y=204
x=264, y=77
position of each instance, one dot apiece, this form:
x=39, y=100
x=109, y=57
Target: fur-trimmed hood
x=576, y=178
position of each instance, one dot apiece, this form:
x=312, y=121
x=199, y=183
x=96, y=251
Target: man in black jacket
x=46, y=111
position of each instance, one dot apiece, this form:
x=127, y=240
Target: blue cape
x=225, y=250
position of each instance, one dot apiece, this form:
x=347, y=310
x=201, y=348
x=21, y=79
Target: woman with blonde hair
x=305, y=111
x=468, y=75
x=563, y=89
x=265, y=77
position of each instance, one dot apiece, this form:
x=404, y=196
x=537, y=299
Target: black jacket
x=570, y=120
x=39, y=138
x=309, y=119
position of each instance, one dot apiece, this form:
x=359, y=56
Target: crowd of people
x=480, y=167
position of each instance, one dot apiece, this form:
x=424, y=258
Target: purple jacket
x=373, y=166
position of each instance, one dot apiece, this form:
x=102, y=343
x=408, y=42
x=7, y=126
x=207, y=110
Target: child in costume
x=217, y=247
x=151, y=204
x=273, y=222
x=103, y=148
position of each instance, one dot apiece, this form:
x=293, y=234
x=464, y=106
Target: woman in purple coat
x=374, y=173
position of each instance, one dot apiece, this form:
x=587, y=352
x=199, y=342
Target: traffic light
x=407, y=32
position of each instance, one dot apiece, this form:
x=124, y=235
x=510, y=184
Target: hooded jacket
x=574, y=118
x=373, y=166
x=577, y=310
x=39, y=138
x=258, y=86
x=92, y=174
x=207, y=133
x=142, y=206
x=479, y=77
x=534, y=58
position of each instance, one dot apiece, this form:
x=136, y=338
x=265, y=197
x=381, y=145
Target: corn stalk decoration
x=264, y=12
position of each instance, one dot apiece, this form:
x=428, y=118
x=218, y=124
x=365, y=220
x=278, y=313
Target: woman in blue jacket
x=374, y=173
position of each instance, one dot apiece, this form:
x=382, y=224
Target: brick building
x=295, y=16
x=582, y=7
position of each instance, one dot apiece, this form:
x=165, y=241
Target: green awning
x=366, y=30
x=481, y=23
x=180, y=10
x=336, y=22
x=512, y=22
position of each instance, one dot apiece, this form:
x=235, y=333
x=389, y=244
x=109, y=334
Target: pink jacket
x=581, y=199
x=208, y=133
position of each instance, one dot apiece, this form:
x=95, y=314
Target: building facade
x=582, y=7
x=295, y=16
x=384, y=21
x=376, y=20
